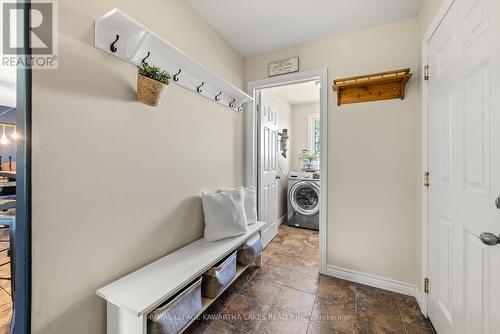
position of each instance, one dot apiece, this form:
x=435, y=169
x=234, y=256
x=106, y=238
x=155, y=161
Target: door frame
x=422, y=297
x=251, y=142
x=22, y=279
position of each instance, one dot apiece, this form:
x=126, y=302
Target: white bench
x=132, y=297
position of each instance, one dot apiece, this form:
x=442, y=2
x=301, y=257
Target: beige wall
x=300, y=125
x=427, y=13
x=285, y=122
x=113, y=189
x=372, y=188
x=116, y=183
x=425, y=17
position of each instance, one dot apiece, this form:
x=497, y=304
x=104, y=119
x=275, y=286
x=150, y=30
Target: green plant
x=305, y=155
x=154, y=73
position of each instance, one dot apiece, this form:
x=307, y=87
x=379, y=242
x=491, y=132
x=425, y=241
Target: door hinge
x=257, y=107
x=427, y=179
x=426, y=285
x=426, y=72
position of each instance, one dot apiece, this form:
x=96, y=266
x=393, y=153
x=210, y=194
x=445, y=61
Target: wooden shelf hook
x=372, y=87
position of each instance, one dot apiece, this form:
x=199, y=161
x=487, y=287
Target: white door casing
x=268, y=167
x=251, y=135
x=464, y=166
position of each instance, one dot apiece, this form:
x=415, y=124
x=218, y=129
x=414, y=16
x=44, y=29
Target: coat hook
x=198, y=89
x=112, y=47
x=144, y=59
x=217, y=97
x=176, y=76
x=240, y=108
x=231, y=104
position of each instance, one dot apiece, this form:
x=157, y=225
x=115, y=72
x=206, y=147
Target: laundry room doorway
x=287, y=160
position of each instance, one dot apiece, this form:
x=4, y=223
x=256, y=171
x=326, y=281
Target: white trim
x=251, y=147
x=421, y=301
x=424, y=247
x=311, y=118
x=282, y=219
x=373, y=280
x=438, y=18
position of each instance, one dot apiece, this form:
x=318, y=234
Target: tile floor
x=5, y=298
x=287, y=295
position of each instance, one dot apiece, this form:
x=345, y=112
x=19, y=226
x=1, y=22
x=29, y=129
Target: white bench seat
x=133, y=296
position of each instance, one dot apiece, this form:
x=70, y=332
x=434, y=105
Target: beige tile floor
x=287, y=295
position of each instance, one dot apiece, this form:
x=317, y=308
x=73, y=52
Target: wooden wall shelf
x=372, y=87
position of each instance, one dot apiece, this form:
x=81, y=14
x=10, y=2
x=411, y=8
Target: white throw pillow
x=224, y=214
x=250, y=196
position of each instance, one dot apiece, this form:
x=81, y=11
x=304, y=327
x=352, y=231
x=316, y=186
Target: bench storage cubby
x=217, y=278
x=250, y=250
x=173, y=316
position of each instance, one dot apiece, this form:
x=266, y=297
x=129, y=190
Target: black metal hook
x=112, y=47
x=144, y=59
x=231, y=104
x=198, y=89
x=176, y=76
x=240, y=108
x=217, y=97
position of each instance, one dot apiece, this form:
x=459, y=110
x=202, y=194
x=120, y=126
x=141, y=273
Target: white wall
x=372, y=186
x=116, y=183
x=7, y=86
x=300, y=125
x=284, y=164
x=8, y=79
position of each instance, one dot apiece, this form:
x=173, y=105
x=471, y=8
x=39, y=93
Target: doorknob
x=497, y=202
x=489, y=239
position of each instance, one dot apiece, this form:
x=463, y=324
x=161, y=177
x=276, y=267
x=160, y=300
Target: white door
x=268, y=164
x=464, y=161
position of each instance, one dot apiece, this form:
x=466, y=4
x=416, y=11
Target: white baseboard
x=282, y=219
x=372, y=280
x=421, y=301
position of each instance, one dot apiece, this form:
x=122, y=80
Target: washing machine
x=303, y=200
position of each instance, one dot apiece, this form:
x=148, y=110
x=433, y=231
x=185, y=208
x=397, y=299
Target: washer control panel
x=303, y=175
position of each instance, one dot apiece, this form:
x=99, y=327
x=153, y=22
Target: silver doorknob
x=489, y=239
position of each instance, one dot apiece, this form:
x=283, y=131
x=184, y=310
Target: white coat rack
x=118, y=34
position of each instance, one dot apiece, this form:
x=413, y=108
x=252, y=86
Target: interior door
x=267, y=165
x=464, y=161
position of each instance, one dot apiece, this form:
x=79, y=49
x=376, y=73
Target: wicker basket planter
x=149, y=91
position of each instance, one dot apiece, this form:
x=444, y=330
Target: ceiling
x=302, y=93
x=259, y=26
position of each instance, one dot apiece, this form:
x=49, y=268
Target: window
x=314, y=134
